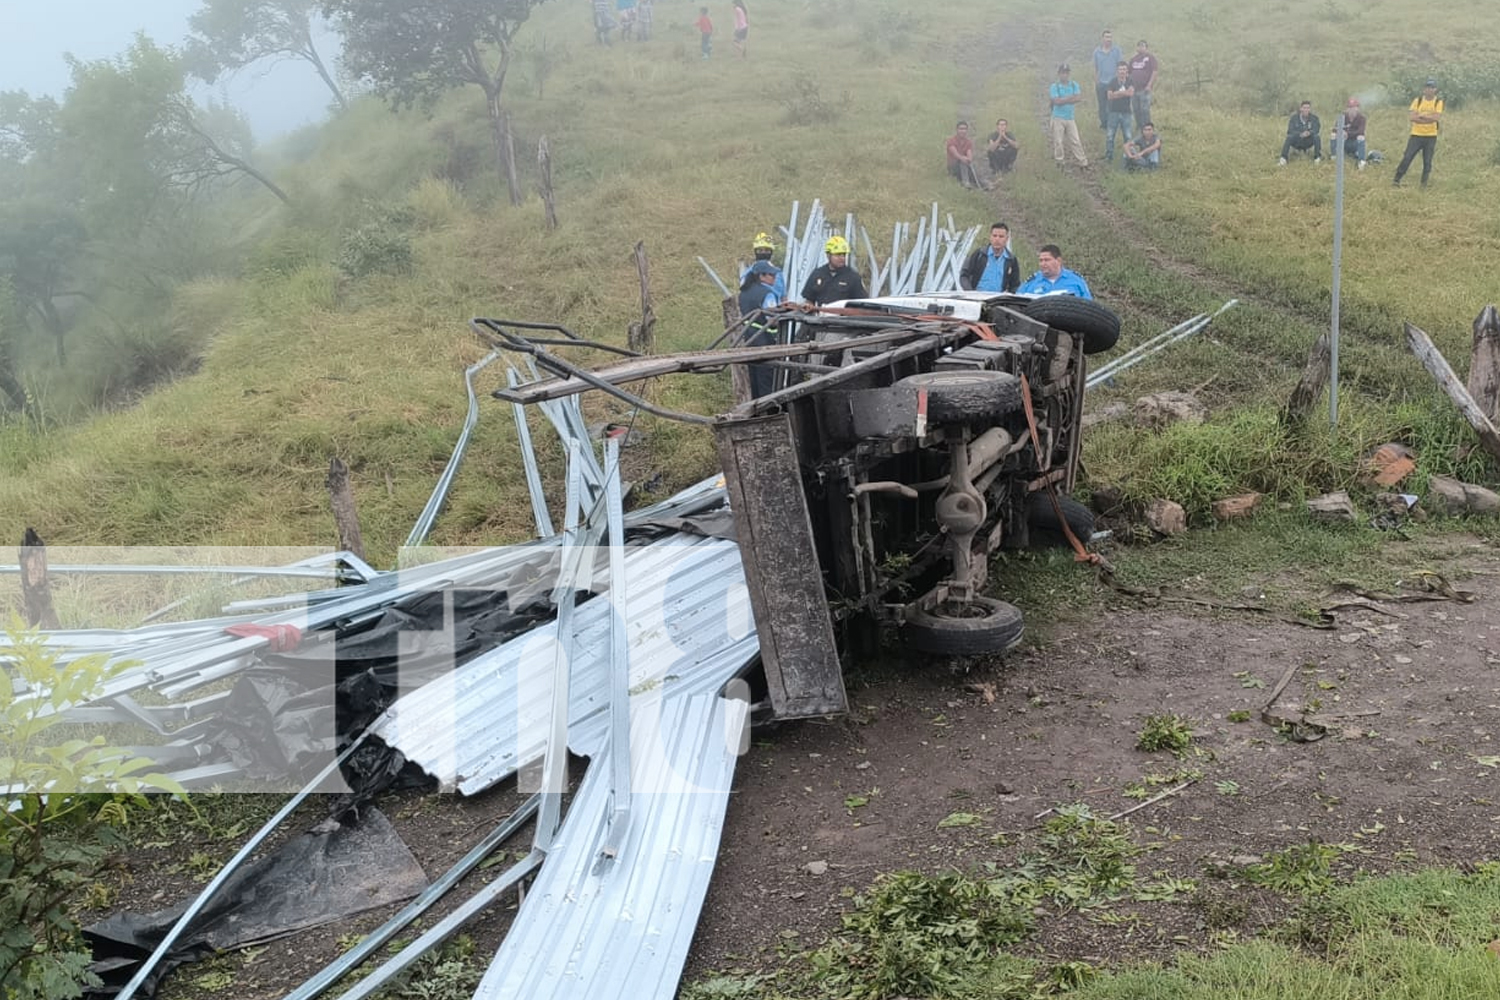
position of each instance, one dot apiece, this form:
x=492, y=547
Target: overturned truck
x=905, y=440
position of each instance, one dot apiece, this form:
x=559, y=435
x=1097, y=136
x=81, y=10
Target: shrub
x=50, y=845
x=805, y=104
x=379, y=247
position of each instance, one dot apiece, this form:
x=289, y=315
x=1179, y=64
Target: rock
x=1333, y=507
x=1449, y=496
x=816, y=867
x=1162, y=408
x=1114, y=411
x=1166, y=517
x=1236, y=506
x=1388, y=465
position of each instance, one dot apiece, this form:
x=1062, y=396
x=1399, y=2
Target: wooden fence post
x=544, y=165
x=1484, y=363
x=345, y=515
x=1423, y=347
x=36, y=589
x=739, y=375
x=1310, y=385
x=642, y=335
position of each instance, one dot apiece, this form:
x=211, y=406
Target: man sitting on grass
x=1303, y=131
x=1144, y=153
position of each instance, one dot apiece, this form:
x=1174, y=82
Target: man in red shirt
x=961, y=157
x=1143, y=68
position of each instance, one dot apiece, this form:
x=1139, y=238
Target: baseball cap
x=762, y=267
x=1431, y=82
x=1064, y=68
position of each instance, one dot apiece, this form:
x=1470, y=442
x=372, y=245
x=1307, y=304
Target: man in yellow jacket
x=1426, y=112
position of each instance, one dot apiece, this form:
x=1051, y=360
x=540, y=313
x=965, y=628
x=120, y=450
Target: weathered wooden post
x=1484, y=363
x=1427, y=352
x=36, y=589
x=643, y=334
x=1310, y=385
x=739, y=375
x=544, y=165
x=345, y=515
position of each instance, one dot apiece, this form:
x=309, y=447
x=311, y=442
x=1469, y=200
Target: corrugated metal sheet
x=599, y=930
x=690, y=630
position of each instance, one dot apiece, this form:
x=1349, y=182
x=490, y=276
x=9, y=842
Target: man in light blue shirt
x=1106, y=57
x=1053, y=277
x=1063, y=95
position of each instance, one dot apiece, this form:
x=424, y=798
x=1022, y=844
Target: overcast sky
x=34, y=34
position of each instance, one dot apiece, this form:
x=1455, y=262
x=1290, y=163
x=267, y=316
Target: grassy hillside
x=692, y=156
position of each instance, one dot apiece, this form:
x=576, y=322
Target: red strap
x=279, y=638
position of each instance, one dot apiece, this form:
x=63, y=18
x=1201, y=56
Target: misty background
x=277, y=97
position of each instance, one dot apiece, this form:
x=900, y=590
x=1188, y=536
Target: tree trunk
x=345, y=516
x=1423, y=347
x=1310, y=386
x=226, y=157
x=644, y=339
x=36, y=590
x=544, y=166
x=508, y=152
x=317, y=61
x=1484, y=363
x=54, y=324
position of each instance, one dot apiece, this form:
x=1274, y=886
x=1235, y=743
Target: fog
x=34, y=35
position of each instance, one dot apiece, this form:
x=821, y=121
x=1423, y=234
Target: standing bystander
x=1106, y=57
x=992, y=268
x=1120, y=93
x=706, y=29
x=741, y=28
x=1425, y=114
x=1143, y=68
x=1065, y=95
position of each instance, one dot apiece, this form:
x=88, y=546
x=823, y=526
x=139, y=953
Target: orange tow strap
x=1080, y=552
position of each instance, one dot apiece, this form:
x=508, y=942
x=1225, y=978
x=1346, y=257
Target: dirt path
x=1404, y=774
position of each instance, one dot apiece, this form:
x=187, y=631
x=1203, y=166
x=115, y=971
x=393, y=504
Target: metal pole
x=1338, y=272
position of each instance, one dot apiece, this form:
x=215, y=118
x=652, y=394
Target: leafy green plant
x=921, y=935
x=1165, y=732
x=1304, y=868
x=52, y=842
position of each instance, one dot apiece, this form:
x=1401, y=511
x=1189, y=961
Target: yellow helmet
x=836, y=245
x=763, y=241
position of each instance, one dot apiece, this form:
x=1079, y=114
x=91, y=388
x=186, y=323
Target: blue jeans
x=1141, y=105
x=1353, y=146
x=1117, y=120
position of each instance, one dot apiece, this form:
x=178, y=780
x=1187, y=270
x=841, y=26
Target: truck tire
x=956, y=396
x=1043, y=526
x=984, y=625
x=1098, y=326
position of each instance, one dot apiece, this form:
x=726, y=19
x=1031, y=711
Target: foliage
x=1165, y=732
x=805, y=104
x=1461, y=82
x=54, y=835
x=1302, y=868
x=228, y=35
x=379, y=247
x=918, y=935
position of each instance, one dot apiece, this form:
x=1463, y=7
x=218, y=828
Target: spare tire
x=957, y=396
x=983, y=625
x=1097, y=325
x=1042, y=523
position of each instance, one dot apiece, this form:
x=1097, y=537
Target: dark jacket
x=1295, y=126
x=751, y=298
x=975, y=264
x=827, y=285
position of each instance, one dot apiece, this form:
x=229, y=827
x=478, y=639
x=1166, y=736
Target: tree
x=228, y=35
x=412, y=51
x=134, y=134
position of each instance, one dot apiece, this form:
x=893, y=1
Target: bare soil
x=1405, y=771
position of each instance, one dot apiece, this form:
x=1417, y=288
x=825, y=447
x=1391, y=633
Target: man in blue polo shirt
x=1053, y=277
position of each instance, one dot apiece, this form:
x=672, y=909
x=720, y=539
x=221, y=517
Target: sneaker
x=1281, y=162
x=1361, y=164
